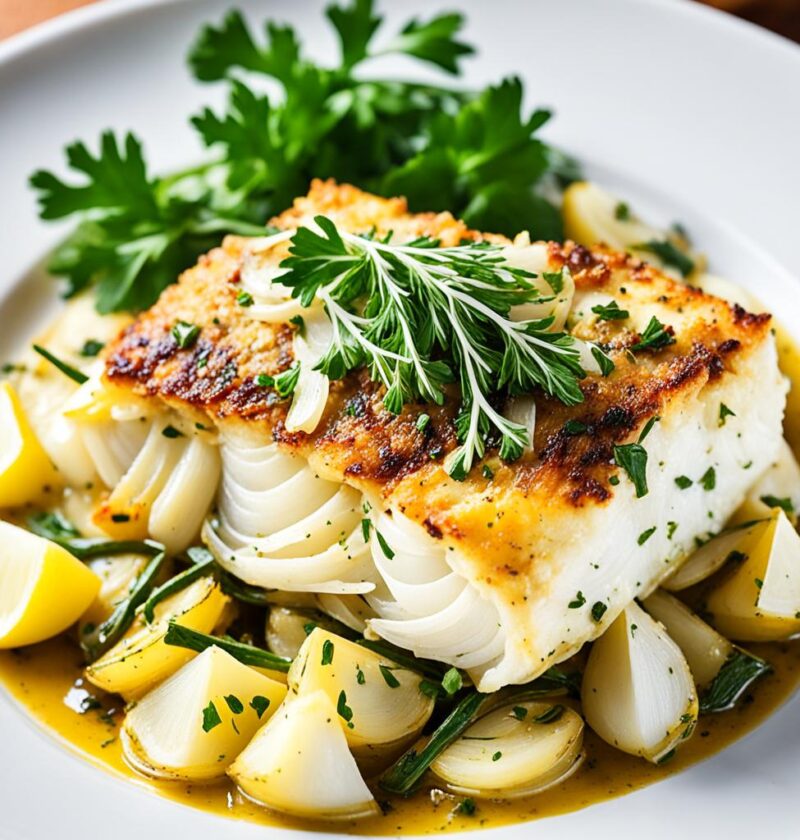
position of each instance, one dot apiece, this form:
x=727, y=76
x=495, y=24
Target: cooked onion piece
x=556, y=298
x=287, y=629
x=388, y=710
x=513, y=751
x=712, y=556
x=43, y=588
x=638, y=693
x=424, y=605
x=759, y=600
x=723, y=671
x=195, y=723
x=592, y=216
x=779, y=486
x=116, y=575
x=299, y=764
x=166, y=492
x=310, y=397
x=351, y=610
x=140, y=659
x=281, y=526
x=26, y=472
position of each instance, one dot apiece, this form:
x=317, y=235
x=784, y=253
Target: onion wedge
x=140, y=659
x=513, y=751
x=388, y=710
x=195, y=723
x=721, y=670
x=759, y=600
x=299, y=764
x=638, y=693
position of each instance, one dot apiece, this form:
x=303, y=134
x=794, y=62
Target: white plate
x=686, y=112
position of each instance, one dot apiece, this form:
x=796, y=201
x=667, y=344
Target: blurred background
x=782, y=16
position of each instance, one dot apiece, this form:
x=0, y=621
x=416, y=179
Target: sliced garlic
x=195, y=723
x=513, y=751
x=638, y=692
x=299, y=764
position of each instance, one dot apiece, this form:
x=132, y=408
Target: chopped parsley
x=622, y=213
x=388, y=677
x=655, y=336
x=211, y=717
x=684, y=482
x=91, y=347
x=327, y=652
x=234, y=703
x=598, y=610
x=575, y=427
x=286, y=382
x=343, y=710
x=632, y=457
x=244, y=298
x=519, y=712
x=422, y=422
x=264, y=380
x=497, y=756
x=645, y=535
x=724, y=413
x=452, y=681
x=578, y=601
x=171, y=432
x=555, y=280
x=708, y=480
x=610, y=312
x=604, y=362
x=466, y=807
x=259, y=704
x=360, y=676
x=672, y=527
x=185, y=334
x=365, y=526
x=487, y=473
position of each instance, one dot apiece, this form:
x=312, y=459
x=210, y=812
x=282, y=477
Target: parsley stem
x=185, y=637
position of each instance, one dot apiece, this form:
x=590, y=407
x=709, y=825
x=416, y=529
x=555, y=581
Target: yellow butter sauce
x=46, y=681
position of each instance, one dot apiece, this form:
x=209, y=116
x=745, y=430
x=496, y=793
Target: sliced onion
x=299, y=764
x=112, y=447
x=389, y=710
x=311, y=393
x=711, y=557
x=534, y=258
x=283, y=527
x=351, y=610
x=164, y=733
x=424, y=605
x=287, y=629
x=522, y=410
x=141, y=660
x=759, y=600
x=514, y=751
x=116, y=575
x=178, y=511
x=723, y=671
x=638, y=693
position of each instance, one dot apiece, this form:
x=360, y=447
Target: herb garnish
x=785, y=504
x=388, y=677
x=669, y=254
x=343, y=710
x=610, y=312
x=420, y=316
x=259, y=705
x=211, y=717
x=476, y=155
x=724, y=413
x=73, y=373
x=655, y=336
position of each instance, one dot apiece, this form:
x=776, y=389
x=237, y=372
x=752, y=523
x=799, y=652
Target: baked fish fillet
x=550, y=548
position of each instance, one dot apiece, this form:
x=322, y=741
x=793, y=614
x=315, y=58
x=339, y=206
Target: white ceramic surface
x=687, y=113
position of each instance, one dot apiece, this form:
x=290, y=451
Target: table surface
x=781, y=16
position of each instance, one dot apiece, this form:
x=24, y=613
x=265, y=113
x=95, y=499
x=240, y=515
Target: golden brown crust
x=358, y=440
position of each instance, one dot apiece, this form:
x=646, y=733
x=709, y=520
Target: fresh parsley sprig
x=444, y=149
x=420, y=316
